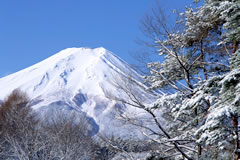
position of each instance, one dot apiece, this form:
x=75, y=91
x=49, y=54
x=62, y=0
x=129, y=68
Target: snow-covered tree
x=189, y=51
x=150, y=122
x=228, y=12
x=217, y=102
x=202, y=34
x=208, y=117
x=235, y=60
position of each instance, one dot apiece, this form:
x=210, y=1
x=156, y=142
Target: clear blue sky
x=32, y=30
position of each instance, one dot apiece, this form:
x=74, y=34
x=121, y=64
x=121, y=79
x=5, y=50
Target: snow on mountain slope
x=74, y=79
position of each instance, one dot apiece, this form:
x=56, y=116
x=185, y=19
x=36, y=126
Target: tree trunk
x=235, y=46
x=187, y=77
x=199, y=151
x=202, y=61
x=216, y=155
x=237, y=145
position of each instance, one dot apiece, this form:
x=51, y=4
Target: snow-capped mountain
x=74, y=80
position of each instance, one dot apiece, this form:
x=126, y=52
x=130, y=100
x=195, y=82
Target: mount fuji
x=75, y=80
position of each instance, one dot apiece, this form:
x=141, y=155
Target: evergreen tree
x=203, y=36
x=195, y=49
x=208, y=118
x=228, y=13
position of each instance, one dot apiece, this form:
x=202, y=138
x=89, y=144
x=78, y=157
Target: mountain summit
x=73, y=79
x=70, y=69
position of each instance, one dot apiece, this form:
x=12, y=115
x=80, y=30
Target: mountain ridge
x=75, y=79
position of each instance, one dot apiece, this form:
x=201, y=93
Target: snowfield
x=76, y=80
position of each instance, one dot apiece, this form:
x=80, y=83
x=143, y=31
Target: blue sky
x=33, y=30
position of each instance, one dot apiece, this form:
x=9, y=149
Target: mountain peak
x=70, y=67
x=81, y=50
x=72, y=79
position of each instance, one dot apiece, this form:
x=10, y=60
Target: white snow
x=74, y=78
x=71, y=68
